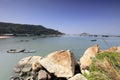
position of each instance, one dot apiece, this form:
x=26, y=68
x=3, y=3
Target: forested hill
x=11, y=28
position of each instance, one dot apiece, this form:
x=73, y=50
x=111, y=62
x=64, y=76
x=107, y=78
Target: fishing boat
x=20, y=51
x=15, y=50
x=93, y=40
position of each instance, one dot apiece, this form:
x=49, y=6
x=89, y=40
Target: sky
x=67, y=16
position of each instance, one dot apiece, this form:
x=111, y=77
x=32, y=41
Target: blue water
x=44, y=46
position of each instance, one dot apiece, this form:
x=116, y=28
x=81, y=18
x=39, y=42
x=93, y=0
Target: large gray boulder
x=25, y=64
x=78, y=77
x=60, y=63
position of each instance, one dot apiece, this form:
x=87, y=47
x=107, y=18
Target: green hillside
x=11, y=28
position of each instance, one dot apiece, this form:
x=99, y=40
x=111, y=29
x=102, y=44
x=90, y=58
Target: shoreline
x=4, y=37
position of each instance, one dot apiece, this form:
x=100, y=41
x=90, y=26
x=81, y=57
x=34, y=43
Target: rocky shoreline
x=59, y=65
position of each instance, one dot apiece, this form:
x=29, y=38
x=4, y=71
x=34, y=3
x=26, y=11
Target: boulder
x=25, y=64
x=60, y=63
x=78, y=77
x=86, y=59
x=16, y=78
x=113, y=49
x=30, y=78
x=43, y=75
x=36, y=66
x=118, y=49
x=85, y=72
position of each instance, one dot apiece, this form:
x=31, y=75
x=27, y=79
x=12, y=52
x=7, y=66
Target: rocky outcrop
x=36, y=66
x=78, y=77
x=43, y=75
x=60, y=63
x=118, y=49
x=113, y=49
x=25, y=64
x=86, y=59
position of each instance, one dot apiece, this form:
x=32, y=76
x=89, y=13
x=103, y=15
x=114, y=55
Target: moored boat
x=93, y=40
x=31, y=51
x=20, y=51
x=15, y=50
x=16, y=78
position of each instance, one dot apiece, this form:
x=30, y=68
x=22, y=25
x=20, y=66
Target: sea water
x=44, y=46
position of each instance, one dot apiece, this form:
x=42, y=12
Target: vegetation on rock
x=106, y=66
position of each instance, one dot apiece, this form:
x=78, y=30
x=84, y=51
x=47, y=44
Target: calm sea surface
x=44, y=46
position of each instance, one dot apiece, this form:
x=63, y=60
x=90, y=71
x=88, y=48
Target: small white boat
x=31, y=51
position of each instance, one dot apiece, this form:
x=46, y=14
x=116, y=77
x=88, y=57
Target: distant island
x=26, y=29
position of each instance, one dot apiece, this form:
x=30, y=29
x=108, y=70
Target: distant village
x=95, y=35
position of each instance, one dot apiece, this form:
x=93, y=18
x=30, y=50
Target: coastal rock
x=85, y=72
x=36, y=66
x=16, y=78
x=118, y=49
x=60, y=63
x=78, y=77
x=30, y=78
x=43, y=75
x=86, y=59
x=113, y=49
x=25, y=64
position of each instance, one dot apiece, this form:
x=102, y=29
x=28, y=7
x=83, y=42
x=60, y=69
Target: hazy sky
x=68, y=16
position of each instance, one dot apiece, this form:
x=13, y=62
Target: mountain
x=11, y=28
